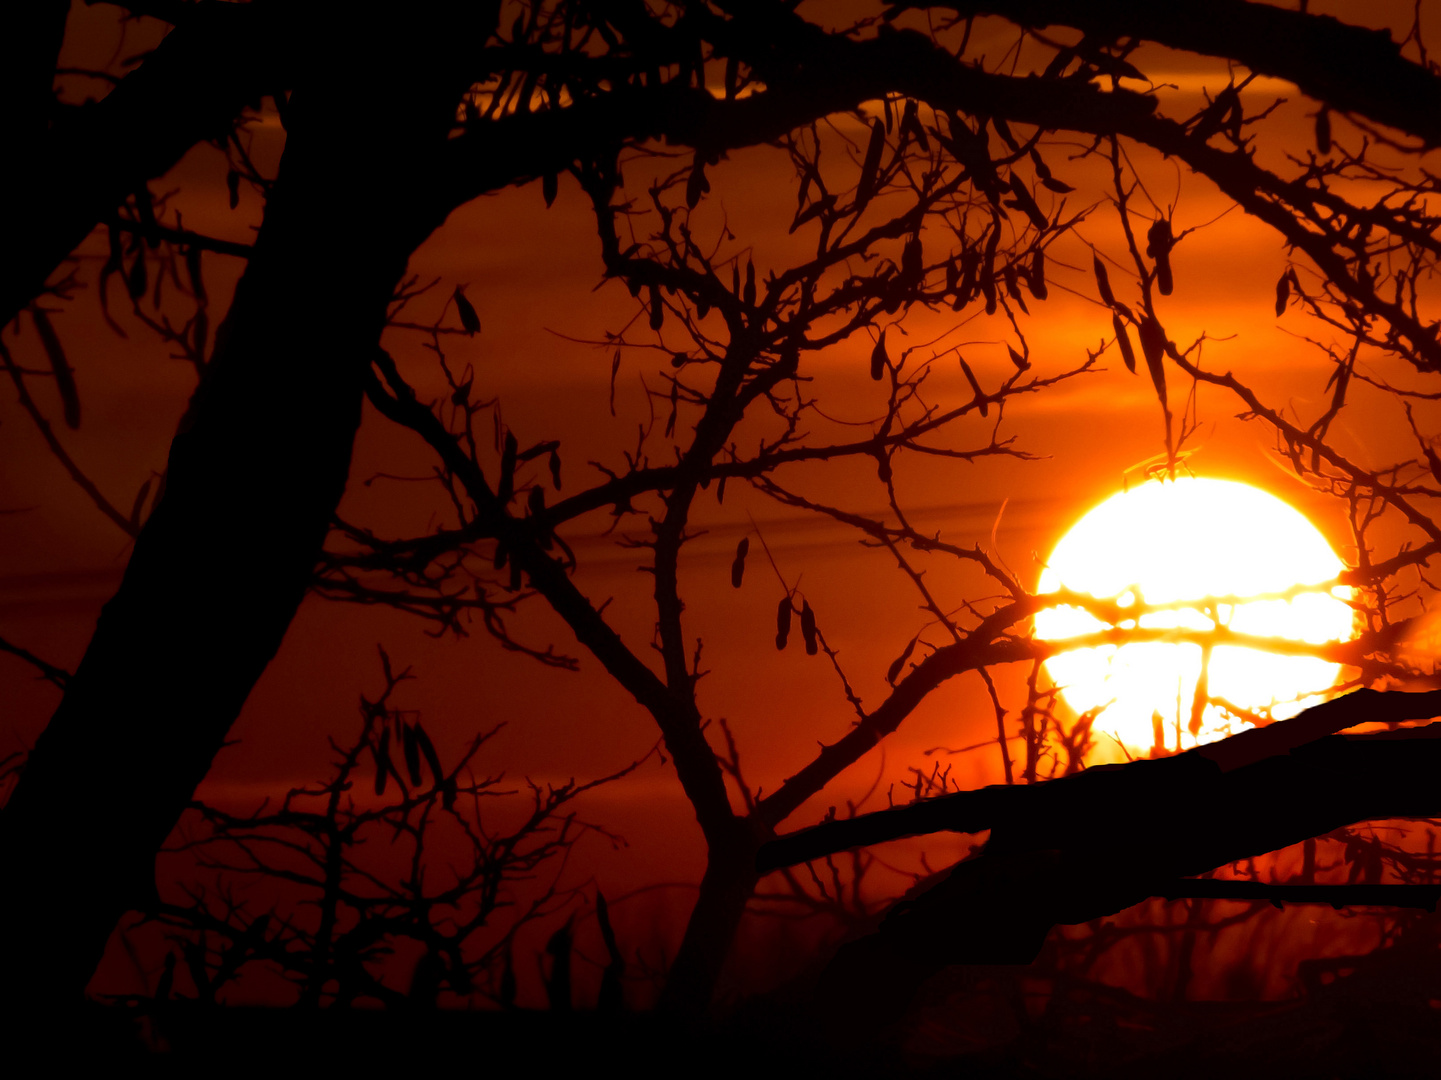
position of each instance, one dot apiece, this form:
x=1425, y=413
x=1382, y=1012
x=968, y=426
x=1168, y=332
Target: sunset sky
x=532, y=274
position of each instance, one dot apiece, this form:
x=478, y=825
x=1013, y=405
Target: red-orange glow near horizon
x=1230, y=557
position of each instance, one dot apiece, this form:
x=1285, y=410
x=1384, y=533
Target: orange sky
x=531, y=273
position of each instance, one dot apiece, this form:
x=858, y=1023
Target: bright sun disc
x=1186, y=540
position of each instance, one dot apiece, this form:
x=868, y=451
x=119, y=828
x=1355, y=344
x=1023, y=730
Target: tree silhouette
x=962, y=189
x=342, y=912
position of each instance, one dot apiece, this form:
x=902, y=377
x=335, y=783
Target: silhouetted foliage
x=327, y=887
x=931, y=178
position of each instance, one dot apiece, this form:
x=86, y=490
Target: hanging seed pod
x=1037, y=277
x=549, y=188
x=1009, y=276
x=506, y=488
x=750, y=291
x=657, y=310
x=1159, y=242
x=1158, y=238
x=783, y=622
x=1235, y=118
x=870, y=169
x=1153, y=345
x=412, y=752
x=383, y=767
x=1103, y=281
x=981, y=398
x=912, y=270
x=555, y=469
x=469, y=320
x=1343, y=379
x=969, y=149
x=953, y=275
x=879, y=360
x=535, y=501
x=500, y=556
x=614, y=370
x=1026, y=203
x=696, y=184
x=232, y=186
x=894, y=671
x=735, y=279
x=738, y=564
x=1123, y=341
x=1022, y=364
x=808, y=629
x=1336, y=374
x=911, y=125
x=970, y=264
x=988, y=289
x=59, y=366
x=805, y=191
x=427, y=748
x=1323, y=132
x=1164, y=282
x=1003, y=129
x=1283, y=293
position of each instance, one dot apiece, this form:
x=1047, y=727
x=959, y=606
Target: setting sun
x=1189, y=539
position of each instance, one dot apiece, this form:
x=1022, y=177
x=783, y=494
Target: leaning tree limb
x=1088, y=846
x=1348, y=68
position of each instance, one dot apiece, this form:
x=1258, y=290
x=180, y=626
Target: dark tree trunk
x=254, y=479
x=728, y=885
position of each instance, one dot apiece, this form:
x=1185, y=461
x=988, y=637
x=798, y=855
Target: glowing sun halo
x=1186, y=540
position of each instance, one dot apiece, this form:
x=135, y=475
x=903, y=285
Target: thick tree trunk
x=728, y=885
x=254, y=479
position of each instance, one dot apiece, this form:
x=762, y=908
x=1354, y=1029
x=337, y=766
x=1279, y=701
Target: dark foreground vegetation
x=1380, y=1018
